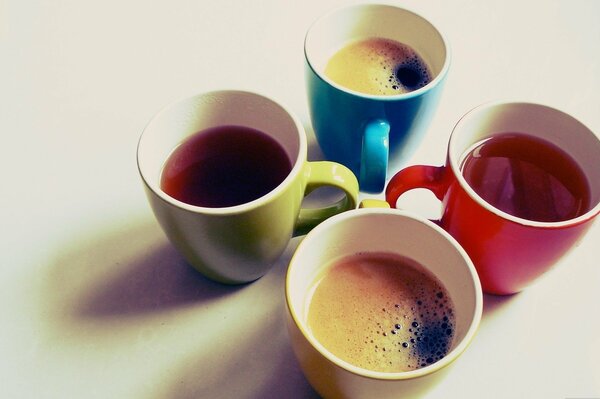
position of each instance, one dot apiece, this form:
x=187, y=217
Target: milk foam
x=382, y=312
x=378, y=66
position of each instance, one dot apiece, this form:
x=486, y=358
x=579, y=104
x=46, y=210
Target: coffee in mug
x=382, y=311
x=374, y=76
x=378, y=66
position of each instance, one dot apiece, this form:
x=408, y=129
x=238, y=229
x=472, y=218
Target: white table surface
x=95, y=303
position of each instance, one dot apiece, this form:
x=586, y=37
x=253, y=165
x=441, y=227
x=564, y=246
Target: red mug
x=508, y=251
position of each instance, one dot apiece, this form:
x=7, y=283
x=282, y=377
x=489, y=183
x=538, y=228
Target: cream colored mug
x=389, y=231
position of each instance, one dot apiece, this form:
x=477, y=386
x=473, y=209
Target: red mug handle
x=436, y=179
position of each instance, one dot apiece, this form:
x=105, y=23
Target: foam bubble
x=381, y=319
x=378, y=66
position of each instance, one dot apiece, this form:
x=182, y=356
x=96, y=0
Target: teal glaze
x=340, y=118
x=374, y=155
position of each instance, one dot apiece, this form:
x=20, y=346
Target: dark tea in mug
x=224, y=166
x=527, y=177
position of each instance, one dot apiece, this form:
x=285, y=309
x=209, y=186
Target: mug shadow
x=126, y=272
x=494, y=303
x=117, y=278
x=158, y=281
x=258, y=363
x=323, y=195
x=257, y=368
x=314, y=152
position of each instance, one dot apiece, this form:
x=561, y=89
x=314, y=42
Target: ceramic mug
x=509, y=252
x=378, y=230
x=371, y=134
x=238, y=244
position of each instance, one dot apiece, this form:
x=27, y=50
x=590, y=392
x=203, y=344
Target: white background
x=95, y=303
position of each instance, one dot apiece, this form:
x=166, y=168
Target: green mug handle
x=373, y=203
x=326, y=173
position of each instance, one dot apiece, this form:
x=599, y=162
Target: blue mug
x=373, y=135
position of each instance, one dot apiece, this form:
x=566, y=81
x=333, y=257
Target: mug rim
x=448, y=359
x=379, y=97
x=455, y=166
x=229, y=210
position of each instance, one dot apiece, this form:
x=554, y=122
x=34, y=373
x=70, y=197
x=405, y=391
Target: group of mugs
x=226, y=172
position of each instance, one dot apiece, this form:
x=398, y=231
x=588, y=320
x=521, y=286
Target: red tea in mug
x=527, y=177
x=225, y=166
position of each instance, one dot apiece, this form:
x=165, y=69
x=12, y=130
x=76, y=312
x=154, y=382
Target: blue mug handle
x=374, y=155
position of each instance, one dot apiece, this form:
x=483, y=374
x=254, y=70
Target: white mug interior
x=386, y=230
x=184, y=118
x=536, y=120
x=344, y=25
